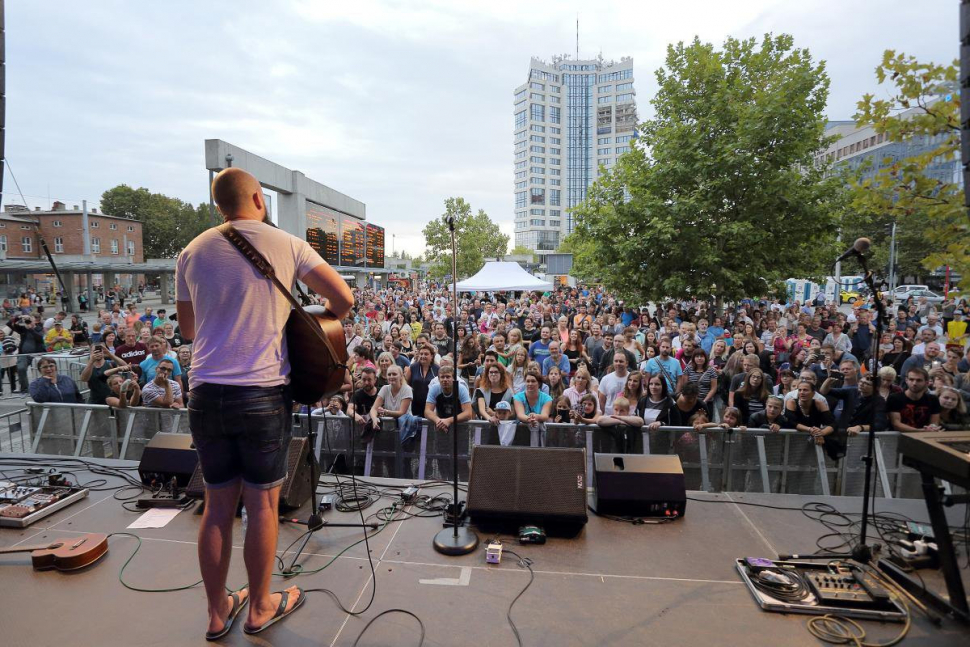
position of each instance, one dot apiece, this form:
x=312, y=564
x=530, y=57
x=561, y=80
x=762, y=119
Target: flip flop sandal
x=237, y=606
x=281, y=612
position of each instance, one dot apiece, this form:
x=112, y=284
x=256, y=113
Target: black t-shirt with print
x=915, y=413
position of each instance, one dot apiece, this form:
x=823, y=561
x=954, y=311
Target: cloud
x=398, y=104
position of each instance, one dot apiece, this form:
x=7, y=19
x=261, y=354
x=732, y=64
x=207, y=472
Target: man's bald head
x=238, y=195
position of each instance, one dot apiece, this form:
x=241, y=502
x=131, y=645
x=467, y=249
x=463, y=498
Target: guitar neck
x=23, y=549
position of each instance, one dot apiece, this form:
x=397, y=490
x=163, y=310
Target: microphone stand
x=316, y=521
x=459, y=540
x=862, y=553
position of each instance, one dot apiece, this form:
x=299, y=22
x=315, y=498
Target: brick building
x=111, y=237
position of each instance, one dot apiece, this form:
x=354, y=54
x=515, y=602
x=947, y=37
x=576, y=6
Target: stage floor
x=615, y=584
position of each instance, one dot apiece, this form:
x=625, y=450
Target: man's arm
x=430, y=414
x=325, y=281
x=186, y=319
x=897, y=423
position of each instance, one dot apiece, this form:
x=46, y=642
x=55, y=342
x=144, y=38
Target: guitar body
x=68, y=554
x=317, y=353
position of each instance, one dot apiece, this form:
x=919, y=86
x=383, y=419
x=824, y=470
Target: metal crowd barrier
x=714, y=460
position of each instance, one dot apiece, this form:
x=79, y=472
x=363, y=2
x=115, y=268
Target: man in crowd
x=439, y=406
x=605, y=364
x=931, y=358
x=156, y=350
x=539, y=350
x=132, y=352
x=612, y=384
x=362, y=402
x=915, y=409
x=667, y=366
x=162, y=391
x=440, y=340
x=557, y=359
x=595, y=339
x=353, y=340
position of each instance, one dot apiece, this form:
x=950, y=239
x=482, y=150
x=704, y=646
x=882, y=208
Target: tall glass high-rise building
x=570, y=118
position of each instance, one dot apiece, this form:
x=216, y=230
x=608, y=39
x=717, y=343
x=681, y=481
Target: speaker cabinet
x=168, y=455
x=513, y=486
x=637, y=485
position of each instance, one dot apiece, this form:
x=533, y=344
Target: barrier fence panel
x=714, y=459
x=15, y=431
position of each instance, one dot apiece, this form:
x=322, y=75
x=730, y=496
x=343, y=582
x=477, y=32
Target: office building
x=571, y=118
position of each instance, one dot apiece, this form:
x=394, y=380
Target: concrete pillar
x=89, y=287
x=69, y=293
x=291, y=208
x=166, y=284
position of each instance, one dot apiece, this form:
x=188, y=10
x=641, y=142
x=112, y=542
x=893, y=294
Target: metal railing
x=714, y=460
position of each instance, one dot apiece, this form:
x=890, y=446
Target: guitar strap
x=263, y=266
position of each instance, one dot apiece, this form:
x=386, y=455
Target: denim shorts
x=241, y=432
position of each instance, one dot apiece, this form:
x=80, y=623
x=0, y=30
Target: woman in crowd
x=861, y=419
x=423, y=370
x=174, y=340
x=633, y=389
x=384, y=362
x=897, y=356
x=518, y=368
x=809, y=415
x=561, y=410
x=587, y=412
x=574, y=350
x=594, y=384
x=786, y=380
x=513, y=343
x=631, y=344
x=52, y=387
x=469, y=355
x=751, y=397
x=579, y=387
x=394, y=398
x=532, y=406
x=554, y=382
x=562, y=330
x=494, y=388
x=953, y=410
x=700, y=372
x=654, y=406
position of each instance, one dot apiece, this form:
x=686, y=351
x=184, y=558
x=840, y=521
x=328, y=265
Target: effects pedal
x=847, y=588
x=493, y=552
x=409, y=495
x=327, y=502
x=532, y=535
x=163, y=501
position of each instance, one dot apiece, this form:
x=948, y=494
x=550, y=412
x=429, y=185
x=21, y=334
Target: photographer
x=124, y=392
x=31, y=331
x=96, y=374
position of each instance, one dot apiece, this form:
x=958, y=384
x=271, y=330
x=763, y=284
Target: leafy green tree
x=522, y=250
x=933, y=225
x=720, y=197
x=169, y=223
x=476, y=236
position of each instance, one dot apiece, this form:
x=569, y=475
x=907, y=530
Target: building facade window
x=58, y=245
x=624, y=98
x=131, y=248
x=131, y=228
x=113, y=226
x=95, y=224
x=537, y=112
x=3, y=243
x=520, y=199
x=604, y=140
x=114, y=245
x=27, y=244
x=520, y=120
x=554, y=114
x=554, y=197
x=95, y=245
x=538, y=196
x=56, y=223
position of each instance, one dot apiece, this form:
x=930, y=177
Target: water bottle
x=245, y=520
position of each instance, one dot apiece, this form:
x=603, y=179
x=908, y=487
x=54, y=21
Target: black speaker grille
x=528, y=483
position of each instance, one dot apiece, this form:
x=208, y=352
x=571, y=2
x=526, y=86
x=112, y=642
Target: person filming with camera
x=95, y=373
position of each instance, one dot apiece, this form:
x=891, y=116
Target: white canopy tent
x=497, y=276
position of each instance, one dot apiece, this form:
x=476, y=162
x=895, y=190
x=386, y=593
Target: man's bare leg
x=215, y=550
x=262, y=507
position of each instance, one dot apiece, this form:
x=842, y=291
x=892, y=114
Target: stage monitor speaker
x=168, y=455
x=513, y=486
x=300, y=476
x=638, y=485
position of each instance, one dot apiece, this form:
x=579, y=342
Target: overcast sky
x=398, y=104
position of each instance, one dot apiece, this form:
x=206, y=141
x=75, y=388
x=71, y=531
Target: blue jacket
x=41, y=390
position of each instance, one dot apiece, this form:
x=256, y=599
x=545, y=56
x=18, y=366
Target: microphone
x=860, y=247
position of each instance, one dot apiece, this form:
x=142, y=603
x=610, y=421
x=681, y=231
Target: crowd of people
x=575, y=355
x=581, y=356
x=130, y=358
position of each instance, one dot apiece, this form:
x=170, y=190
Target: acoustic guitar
x=68, y=554
x=317, y=351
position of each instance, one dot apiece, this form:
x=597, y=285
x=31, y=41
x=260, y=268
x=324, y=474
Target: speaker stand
x=455, y=541
x=315, y=521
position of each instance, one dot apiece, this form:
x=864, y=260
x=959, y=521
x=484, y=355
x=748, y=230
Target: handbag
x=314, y=336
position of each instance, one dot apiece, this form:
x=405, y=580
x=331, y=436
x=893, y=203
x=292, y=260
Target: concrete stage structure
x=615, y=584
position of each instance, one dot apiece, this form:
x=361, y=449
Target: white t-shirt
x=394, y=403
x=239, y=314
x=612, y=386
